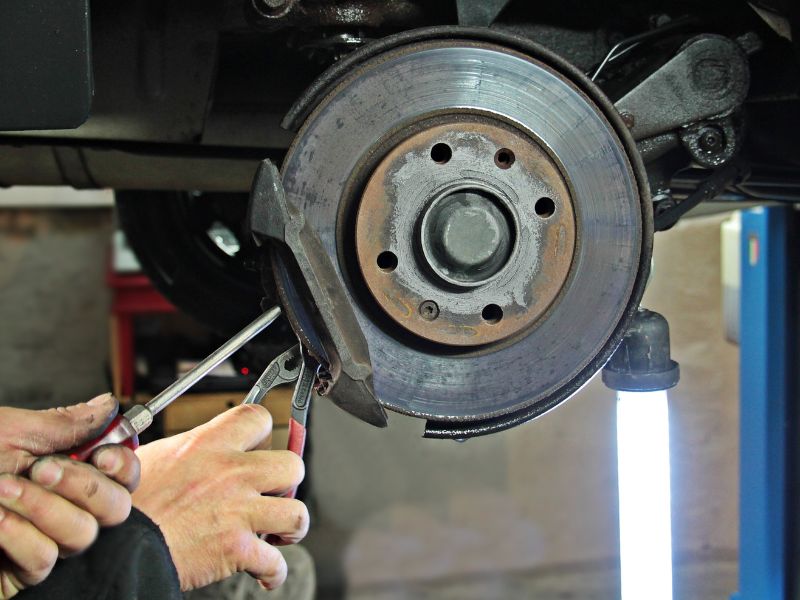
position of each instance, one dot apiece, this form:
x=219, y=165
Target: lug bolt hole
x=492, y=314
x=429, y=310
x=441, y=153
x=545, y=207
x=387, y=261
x=504, y=158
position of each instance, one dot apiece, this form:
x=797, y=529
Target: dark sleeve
x=127, y=562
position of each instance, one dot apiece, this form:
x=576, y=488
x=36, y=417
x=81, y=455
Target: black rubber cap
x=642, y=362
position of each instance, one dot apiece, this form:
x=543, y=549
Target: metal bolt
x=662, y=202
x=273, y=9
x=711, y=139
x=660, y=20
x=628, y=119
x=429, y=310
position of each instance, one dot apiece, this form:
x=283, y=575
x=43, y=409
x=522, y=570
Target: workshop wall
x=53, y=306
x=704, y=407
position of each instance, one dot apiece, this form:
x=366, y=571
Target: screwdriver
x=125, y=429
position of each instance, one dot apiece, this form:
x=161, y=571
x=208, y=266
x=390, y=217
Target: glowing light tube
x=645, y=528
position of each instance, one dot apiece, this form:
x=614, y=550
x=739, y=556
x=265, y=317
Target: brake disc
x=488, y=217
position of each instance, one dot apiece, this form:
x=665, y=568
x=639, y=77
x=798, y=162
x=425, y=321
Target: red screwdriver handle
x=119, y=431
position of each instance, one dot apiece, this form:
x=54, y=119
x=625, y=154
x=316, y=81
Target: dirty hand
x=204, y=489
x=50, y=506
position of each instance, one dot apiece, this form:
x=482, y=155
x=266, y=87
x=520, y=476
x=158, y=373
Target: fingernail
x=109, y=462
x=47, y=473
x=10, y=489
x=100, y=400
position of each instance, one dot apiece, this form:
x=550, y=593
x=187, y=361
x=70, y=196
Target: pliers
x=284, y=368
x=294, y=364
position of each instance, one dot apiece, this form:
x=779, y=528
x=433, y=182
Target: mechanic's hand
x=57, y=509
x=204, y=489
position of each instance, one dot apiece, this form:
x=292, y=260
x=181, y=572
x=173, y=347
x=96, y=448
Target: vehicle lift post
x=769, y=442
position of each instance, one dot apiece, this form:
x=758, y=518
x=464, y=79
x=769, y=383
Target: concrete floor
x=695, y=580
x=522, y=514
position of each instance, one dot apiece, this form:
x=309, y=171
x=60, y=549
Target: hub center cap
x=467, y=236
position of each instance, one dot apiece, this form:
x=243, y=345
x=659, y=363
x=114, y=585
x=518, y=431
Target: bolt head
x=272, y=9
x=711, y=139
x=429, y=310
x=628, y=119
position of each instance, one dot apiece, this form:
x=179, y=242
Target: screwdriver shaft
x=162, y=400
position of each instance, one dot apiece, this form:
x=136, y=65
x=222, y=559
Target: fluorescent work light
x=641, y=370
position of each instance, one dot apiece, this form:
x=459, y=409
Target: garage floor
x=695, y=581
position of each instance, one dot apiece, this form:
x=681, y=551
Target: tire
x=168, y=232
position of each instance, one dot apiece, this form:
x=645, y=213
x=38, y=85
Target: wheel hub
x=453, y=217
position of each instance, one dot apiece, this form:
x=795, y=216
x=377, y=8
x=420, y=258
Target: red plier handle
x=297, y=437
x=301, y=401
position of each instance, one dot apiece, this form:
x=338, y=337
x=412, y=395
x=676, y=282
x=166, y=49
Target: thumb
x=42, y=432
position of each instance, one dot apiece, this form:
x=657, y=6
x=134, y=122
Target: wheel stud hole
x=441, y=153
x=387, y=261
x=504, y=158
x=492, y=314
x=545, y=207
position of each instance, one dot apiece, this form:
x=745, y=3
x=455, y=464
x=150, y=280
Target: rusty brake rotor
x=487, y=215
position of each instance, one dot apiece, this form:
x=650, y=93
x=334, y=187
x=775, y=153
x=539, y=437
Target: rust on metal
x=410, y=179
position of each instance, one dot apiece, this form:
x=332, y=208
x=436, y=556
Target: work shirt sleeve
x=127, y=562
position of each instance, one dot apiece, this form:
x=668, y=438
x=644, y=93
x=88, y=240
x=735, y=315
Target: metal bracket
x=708, y=77
x=313, y=297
